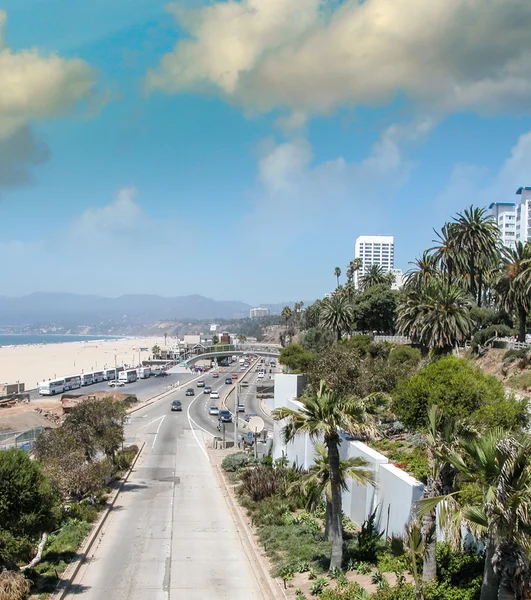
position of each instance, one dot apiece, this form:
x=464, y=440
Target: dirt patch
x=510, y=374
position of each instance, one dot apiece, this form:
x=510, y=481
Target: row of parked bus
x=74, y=382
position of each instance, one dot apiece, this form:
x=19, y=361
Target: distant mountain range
x=42, y=307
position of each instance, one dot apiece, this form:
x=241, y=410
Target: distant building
x=374, y=250
x=191, y=340
x=256, y=313
x=398, y=283
x=523, y=215
x=505, y=215
x=213, y=328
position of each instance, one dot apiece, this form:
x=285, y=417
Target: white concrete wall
x=396, y=492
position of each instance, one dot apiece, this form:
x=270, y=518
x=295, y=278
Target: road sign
x=256, y=424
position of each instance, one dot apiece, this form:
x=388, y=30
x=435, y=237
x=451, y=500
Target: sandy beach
x=34, y=363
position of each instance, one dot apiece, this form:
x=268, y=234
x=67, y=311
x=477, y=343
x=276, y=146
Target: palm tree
x=242, y=338
x=155, y=350
x=375, y=275
x=350, y=290
x=315, y=483
x=513, y=284
x=501, y=464
x=322, y=416
x=287, y=313
x=337, y=273
x=336, y=314
x=437, y=316
x=424, y=268
x=445, y=253
x=475, y=236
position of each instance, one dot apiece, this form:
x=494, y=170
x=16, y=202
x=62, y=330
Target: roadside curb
x=70, y=573
x=246, y=535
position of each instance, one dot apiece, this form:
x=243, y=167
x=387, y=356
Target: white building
x=256, y=313
x=398, y=283
x=505, y=215
x=375, y=250
x=523, y=215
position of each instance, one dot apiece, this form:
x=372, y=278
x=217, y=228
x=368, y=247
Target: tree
x=323, y=415
x=287, y=314
x=374, y=275
x=316, y=484
x=375, y=309
x=445, y=253
x=513, y=284
x=296, y=358
x=436, y=316
x=475, y=236
x=317, y=339
x=155, y=350
x=98, y=426
x=215, y=339
x=27, y=503
x=242, y=338
x=336, y=315
x=424, y=269
x=337, y=273
x=452, y=384
x=312, y=315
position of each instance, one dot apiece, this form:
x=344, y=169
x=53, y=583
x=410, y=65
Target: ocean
x=22, y=339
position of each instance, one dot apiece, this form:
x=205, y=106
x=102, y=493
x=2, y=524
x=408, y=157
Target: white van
x=50, y=388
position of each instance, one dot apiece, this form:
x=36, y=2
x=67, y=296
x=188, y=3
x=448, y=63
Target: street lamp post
x=236, y=415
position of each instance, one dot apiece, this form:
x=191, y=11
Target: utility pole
x=236, y=416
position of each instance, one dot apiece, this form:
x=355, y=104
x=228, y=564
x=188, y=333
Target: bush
x=262, y=482
x=484, y=335
x=124, y=458
x=296, y=358
x=369, y=539
x=510, y=413
x=406, y=358
x=456, y=567
x=453, y=384
x=512, y=355
x=388, y=563
x=318, y=586
x=13, y=586
x=235, y=462
x=82, y=511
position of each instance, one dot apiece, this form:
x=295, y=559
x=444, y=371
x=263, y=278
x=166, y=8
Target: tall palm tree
x=475, y=236
x=437, y=316
x=449, y=260
x=322, y=416
x=337, y=273
x=424, y=268
x=336, y=314
x=513, y=284
x=501, y=464
x=315, y=483
x=287, y=313
x=242, y=338
x=375, y=275
x=349, y=289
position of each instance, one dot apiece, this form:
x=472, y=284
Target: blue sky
x=236, y=149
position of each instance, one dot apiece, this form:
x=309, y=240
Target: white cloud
x=445, y=55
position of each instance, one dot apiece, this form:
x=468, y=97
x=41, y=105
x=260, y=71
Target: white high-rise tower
x=374, y=250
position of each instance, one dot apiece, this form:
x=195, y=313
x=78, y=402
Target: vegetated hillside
x=512, y=367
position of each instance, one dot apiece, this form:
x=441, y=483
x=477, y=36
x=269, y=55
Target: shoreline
x=30, y=364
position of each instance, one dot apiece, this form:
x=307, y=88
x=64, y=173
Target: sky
x=236, y=149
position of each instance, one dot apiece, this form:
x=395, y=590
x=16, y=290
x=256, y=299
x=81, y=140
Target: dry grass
x=13, y=586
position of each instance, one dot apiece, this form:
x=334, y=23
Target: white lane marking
x=190, y=421
x=157, y=432
x=154, y=421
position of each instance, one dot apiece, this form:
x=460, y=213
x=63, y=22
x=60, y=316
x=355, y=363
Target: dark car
x=190, y=392
x=161, y=374
x=176, y=405
x=225, y=416
x=228, y=380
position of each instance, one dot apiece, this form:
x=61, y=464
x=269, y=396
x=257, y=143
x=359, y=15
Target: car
x=246, y=365
x=190, y=392
x=215, y=375
x=273, y=363
x=213, y=410
x=245, y=383
x=225, y=416
x=247, y=439
x=214, y=396
x=249, y=416
x=116, y=383
x=241, y=407
x=235, y=376
x=243, y=369
x=176, y=405
x=261, y=375
x=207, y=390
x=201, y=383
x=228, y=380
x=161, y=374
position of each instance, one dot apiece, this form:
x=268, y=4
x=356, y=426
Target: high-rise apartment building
x=256, y=313
x=505, y=215
x=374, y=250
x=514, y=220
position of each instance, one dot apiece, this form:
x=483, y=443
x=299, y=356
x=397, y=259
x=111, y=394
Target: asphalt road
x=170, y=535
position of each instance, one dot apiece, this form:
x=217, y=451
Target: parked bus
x=98, y=376
x=128, y=376
x=110, y=374
x=144, y=372
x=73, y=382
x=52, y=387
x=86, y=379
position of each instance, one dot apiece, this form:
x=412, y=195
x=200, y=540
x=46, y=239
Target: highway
x=171, y=535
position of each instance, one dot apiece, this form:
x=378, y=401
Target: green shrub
x=124, y=458
x=398, y=592
x=482, y=336
x=456, y=567
x=406, y=358
x=350, y=591
x=82, y=511
x=262, y=482
x=512, y=355
x=233, y=462
x=445, y=591
x=318, y=586
x=369, y=539
x=388, y=563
